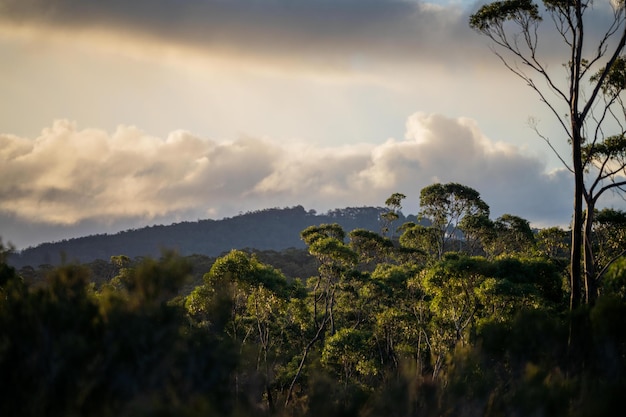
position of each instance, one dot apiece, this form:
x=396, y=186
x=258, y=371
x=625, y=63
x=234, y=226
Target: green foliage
x=332, y=248
x=65, y=350
x=154, y=282
x=552, y=242
x=446, y=205
x=513, y=235
x=394, y=205
x=479, y=231
x=614, y=283
x=609, y=237
x=441, y=202
x=371, y=247
x=313, y=233
x=422, y=238
x=615, y=80
x=494, y=14
x=349, y=354
x=237, y=266
x=394, y=202
x=611, y=148
x=374, y=331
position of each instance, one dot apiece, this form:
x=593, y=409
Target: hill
x=269, y=229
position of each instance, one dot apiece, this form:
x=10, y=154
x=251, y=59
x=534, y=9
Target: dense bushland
x=467, y=316
x=461, y=335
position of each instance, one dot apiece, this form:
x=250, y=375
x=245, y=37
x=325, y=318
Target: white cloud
x=69, y=175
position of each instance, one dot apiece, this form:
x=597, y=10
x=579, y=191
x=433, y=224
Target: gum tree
x=394, y=205
x=575, y=93
x=446, y=205
x=326, y=243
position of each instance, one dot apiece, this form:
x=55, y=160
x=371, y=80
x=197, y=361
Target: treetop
x=499, y=11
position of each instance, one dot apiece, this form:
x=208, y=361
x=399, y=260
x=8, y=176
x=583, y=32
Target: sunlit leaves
x=348, y=352
x=615, y=80
x=614, y=283
x=394, y=205
x=552, y=242
x=370, y=247
x=335, y=250
x=513, y=235
x=611, y=148
x=609, y=235
x=313, y=233
x=422, y=238
x=446, y=205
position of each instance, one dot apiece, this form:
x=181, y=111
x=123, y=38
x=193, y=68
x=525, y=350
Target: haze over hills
x=269, y=229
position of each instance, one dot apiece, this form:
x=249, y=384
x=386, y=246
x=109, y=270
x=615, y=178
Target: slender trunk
x=330, y=312
x=270, y=399
x=577, y=226
x=298, y=372
x=576, y=120
x=575, y=336
x=591, y=291
x=305, y=353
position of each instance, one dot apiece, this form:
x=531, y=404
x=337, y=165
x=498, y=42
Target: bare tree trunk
x=577, y=226
x=576, y=123
x=305, y=353
x=300, y=367
x=575, y=331
x=591, y=290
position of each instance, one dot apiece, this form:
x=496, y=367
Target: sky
x=119, y=114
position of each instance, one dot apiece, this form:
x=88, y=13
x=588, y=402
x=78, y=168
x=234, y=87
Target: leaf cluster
x=497, y=12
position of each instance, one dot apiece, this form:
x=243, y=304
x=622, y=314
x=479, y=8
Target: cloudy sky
x=117, y=114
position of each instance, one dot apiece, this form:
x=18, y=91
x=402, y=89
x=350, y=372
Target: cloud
x=69, y=175
x=435, y=149
x=413, y=29
x=331, y=33
x=331, y=71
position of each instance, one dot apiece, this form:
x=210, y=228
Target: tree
x=421, y=238
x=7, y=273
x=552, y=242
x=335, y=259
x=314, y=233
x=245, y=298
x=68, y=350
x=401, y=316
x=609, y=244
x=478, y=230
x=394, y=205
x=446, y=205
x=513, y=27
x=348, y=352
x=607, y=158
x=512, y=236
x=371, y=247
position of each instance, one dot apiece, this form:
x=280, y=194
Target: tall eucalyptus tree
x=446, y=205
x=584, y=98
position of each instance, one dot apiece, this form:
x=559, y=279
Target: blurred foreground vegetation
x=364, y=324
x=463, y=336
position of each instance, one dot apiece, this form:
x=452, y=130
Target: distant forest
x=269, y=229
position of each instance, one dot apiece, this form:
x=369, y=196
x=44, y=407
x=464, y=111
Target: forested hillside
x=468, y=316
x=270, y=229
